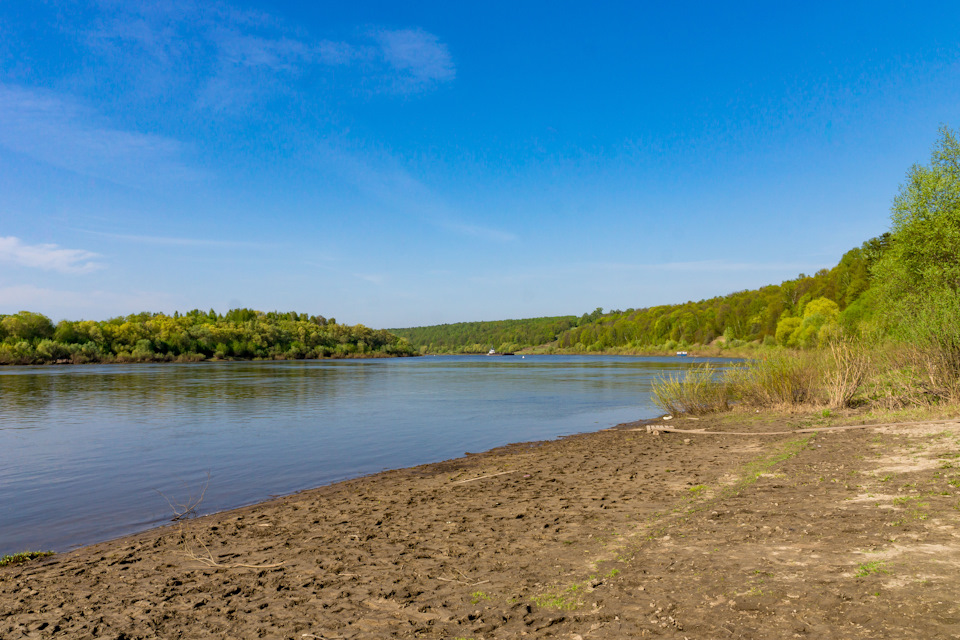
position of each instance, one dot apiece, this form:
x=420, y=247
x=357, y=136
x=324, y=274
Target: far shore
x=626, y=532
x=708, y=353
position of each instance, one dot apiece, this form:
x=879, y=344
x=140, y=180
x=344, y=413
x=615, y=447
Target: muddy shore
x=617, y=534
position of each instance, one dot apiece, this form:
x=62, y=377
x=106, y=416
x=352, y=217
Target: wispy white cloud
x=279, y=54
x=372, y=278
x=702, y=266
x=226, y=58
x=173, y=241
x=333, y=53
x=49, y=257
x=382, y=178
x=58, y=131
x=640, y=272
x=477, y=231
x=419, y=57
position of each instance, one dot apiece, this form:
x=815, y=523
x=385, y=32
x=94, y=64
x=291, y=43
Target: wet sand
x=617, y=534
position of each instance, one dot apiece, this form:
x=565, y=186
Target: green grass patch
x=565, y=600
x=868, y=568
x=20, y=558
x=753, y=470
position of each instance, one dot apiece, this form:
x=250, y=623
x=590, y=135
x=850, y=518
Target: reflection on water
x=84, y=451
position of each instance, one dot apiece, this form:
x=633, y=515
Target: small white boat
x=681, y=353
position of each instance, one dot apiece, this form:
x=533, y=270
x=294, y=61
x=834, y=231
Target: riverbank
x=620, y=533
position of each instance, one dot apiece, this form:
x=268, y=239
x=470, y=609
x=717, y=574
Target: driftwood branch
x=654, y=428
x=492, y=475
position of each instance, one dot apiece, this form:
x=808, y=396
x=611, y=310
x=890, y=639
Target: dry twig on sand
x=465, y=577
x=492, y=475
x=208, y=560
x=187, y=509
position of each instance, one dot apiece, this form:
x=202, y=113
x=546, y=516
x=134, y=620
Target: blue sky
x=400, y=164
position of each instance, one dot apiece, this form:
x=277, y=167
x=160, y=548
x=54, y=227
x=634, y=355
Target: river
x=93, y=452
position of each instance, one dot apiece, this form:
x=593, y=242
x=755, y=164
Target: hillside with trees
x=796, y=313
x=480, y=337
x=31, y=338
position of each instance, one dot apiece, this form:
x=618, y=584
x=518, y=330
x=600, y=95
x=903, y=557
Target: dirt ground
x=617, y=534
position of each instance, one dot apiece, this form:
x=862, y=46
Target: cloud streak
x=227, y=58
x=701, y=266
x=636, y=271
x=383, y=178
x=48, y=257
x=174, y=241
x=476, y=231
x=58, y=131
x=420, y=59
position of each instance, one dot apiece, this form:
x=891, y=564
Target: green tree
x=27, y=326
x=924, y=252
x=917, y=280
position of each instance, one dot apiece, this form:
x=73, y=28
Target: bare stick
x=210, y=562
x=492, y=475
x=189, y=508
x=652, y=428
x=469, y=584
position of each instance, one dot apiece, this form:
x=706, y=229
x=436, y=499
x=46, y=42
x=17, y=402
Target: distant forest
x=31, y=338
x=797, y=313
x=480, y=337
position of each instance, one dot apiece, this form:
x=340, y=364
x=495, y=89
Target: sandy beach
x=622, y=533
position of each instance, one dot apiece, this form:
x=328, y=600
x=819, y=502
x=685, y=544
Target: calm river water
x=89, y=453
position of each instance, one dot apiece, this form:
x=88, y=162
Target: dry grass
x=701, y=389
x=845, y=373
x=778, y=379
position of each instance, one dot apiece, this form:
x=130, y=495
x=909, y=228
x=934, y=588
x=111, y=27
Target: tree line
x=31, y=338
x=798, y=313
x=479, y=337
x=801, y=312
